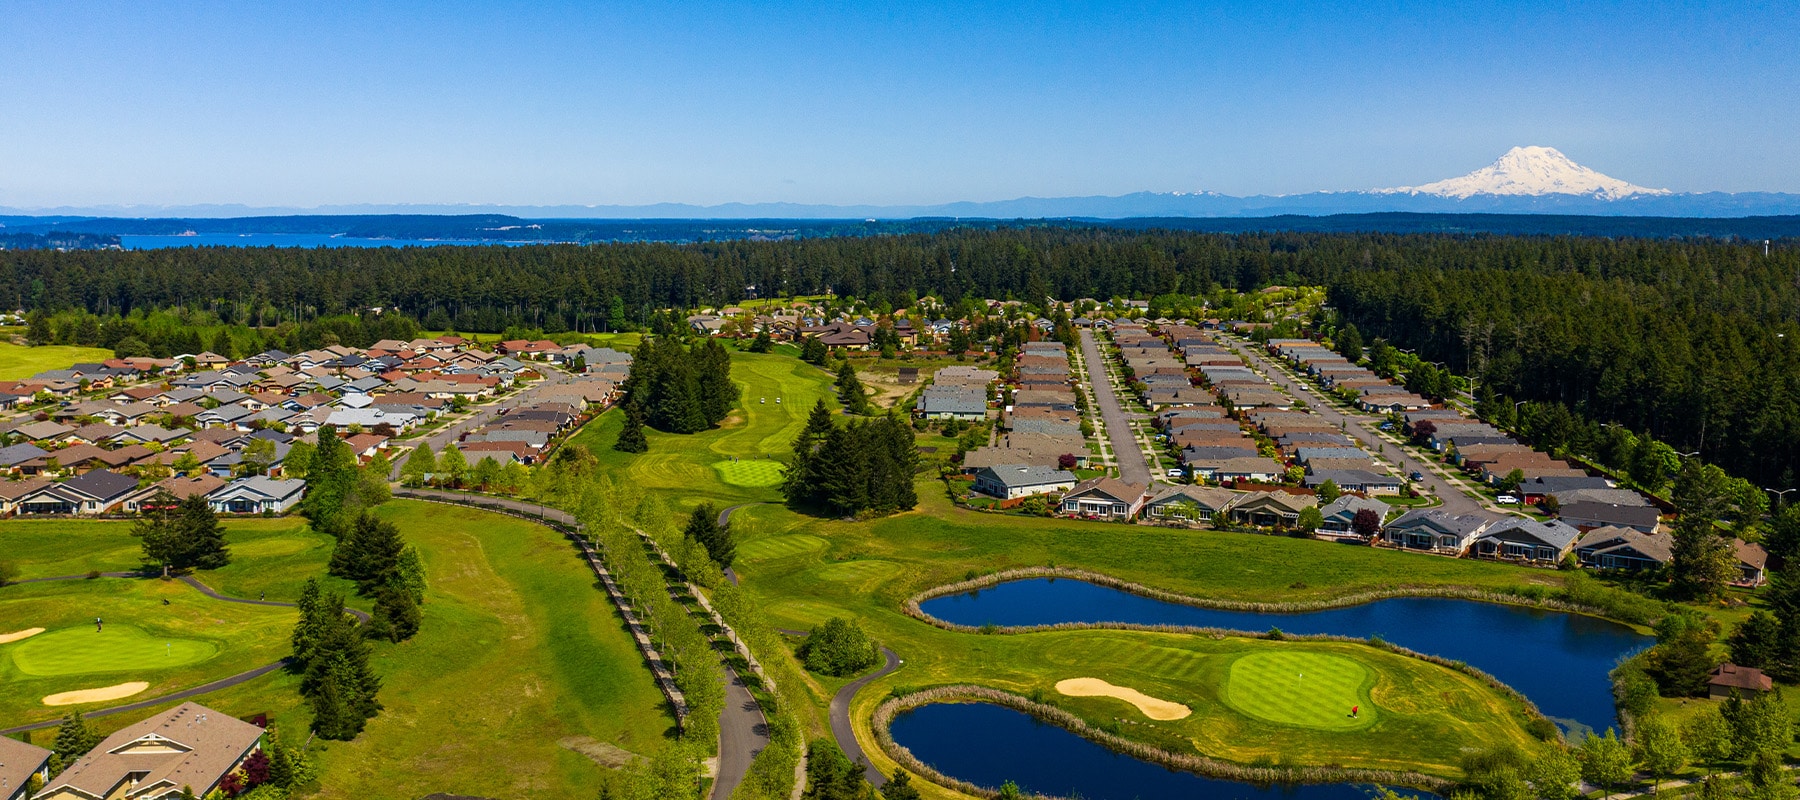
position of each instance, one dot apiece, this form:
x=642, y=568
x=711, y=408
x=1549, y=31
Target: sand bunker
x=7, y=638
x=99, y=695
x=1152, y=707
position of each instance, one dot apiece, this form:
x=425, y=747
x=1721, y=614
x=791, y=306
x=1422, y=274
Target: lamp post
x=1780, y=495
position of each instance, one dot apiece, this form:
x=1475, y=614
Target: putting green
x=76, y=651
x=772, y=547
x=1301, y=688
x=754, y=474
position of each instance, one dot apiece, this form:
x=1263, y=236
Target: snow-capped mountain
x=1531, y=172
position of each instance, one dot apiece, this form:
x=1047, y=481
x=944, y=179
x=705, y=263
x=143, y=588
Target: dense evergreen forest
x=1692, y=341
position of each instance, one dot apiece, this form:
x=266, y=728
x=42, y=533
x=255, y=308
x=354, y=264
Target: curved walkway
x=205, y=688
x=840, y=713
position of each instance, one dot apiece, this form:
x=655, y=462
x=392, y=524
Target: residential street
x=483, y=414
x=1362, y=428
x=1132, y=467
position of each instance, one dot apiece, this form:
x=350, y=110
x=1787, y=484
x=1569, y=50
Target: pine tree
x=202, y=537
x=1702, y=563
x=631, y=437
x=899, y=787
x=814, y=351
x=312, y=622
x=703, y=527
x=74, y=738
x=369, y=554
x=338, y=682
x=396, y=616
x=763, y=343
x=850, y=390
x=410, y=574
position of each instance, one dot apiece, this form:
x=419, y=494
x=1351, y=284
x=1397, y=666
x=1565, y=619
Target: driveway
x=1132, y=467
x=1362, y=428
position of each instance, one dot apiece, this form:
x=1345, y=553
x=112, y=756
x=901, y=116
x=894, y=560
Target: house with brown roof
x=1730, y=679
x=180, y=486
x=189, y=746
x=19, y=763
x=1104, y=498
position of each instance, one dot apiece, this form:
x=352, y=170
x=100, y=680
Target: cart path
x=840, y=713
x=222, y=683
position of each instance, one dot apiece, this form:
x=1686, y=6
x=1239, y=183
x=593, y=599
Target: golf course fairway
x=76, y=651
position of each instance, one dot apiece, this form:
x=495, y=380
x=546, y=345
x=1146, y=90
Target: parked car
x=1508, y=500
x=1417, y=476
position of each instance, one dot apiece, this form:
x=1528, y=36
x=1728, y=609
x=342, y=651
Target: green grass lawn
x=518, y=652
x=210, y=640
x=115, y=648
x=520, y=658
x=686, y=465
x=1304, y=688
x=751, y=474
x=18, y=362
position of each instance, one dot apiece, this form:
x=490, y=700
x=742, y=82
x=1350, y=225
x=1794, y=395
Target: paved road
x=840, y=718
x=1362, y=428
x=483, y=415
x=1132, y=467
x=743, y=732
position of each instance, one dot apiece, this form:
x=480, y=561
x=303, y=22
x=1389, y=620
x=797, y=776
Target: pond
x=989, y=745
x=1560, y=661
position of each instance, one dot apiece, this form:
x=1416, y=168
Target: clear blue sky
x=302, y=104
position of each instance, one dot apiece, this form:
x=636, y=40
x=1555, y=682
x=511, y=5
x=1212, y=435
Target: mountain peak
x=1530, y=171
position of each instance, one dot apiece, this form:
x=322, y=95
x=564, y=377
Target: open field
x=518, y=651
x=23, y=362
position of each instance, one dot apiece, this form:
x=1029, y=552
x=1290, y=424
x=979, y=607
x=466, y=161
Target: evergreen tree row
x=332, y=657
x=866, y=466
x=677, y=388
x=373, y=554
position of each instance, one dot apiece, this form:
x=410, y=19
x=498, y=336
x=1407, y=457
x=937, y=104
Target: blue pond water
x=1558, y=660
x=989, y=745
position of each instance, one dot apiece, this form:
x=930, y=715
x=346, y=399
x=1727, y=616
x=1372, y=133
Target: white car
x=1508, y=500
x=1175, y=473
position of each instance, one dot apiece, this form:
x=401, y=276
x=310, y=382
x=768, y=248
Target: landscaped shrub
x=838, y=648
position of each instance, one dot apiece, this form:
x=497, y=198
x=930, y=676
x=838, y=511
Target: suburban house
x=1340, y=514
x=189, y=746
x=1012, y=481
x=1527, y=540
x=1242, y=468
x=1435, y=531
x=258, y=494
x=90, y=493
x=1270, y=509
x=1105, y=498
x=1185, y=503
x=180, y=486
x=1613, y=547
x=19, y=762
x=1729, y=679
x=1588, y=516
x=1355, y=480
x=1752, y=562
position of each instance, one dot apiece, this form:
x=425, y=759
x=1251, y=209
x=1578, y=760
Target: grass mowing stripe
x=77, y=651
x=1301, y=688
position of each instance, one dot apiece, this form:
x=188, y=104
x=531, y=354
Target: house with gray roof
x=1014, y=481
x=1613, y=547
x=1588, y=516
x=1526, y=540
x=1355, y=480
x=1436, y=531
x=1340, y=514
x=11, y=457
x=1188, y=504
x=257, y=494
x=93, y=492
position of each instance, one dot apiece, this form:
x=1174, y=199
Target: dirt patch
x=99, y=695
x=605, y=754
x=8, y=638
x=1152, y=707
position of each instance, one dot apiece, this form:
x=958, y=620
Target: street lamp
x=1780, y=495
x=1689, y=453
